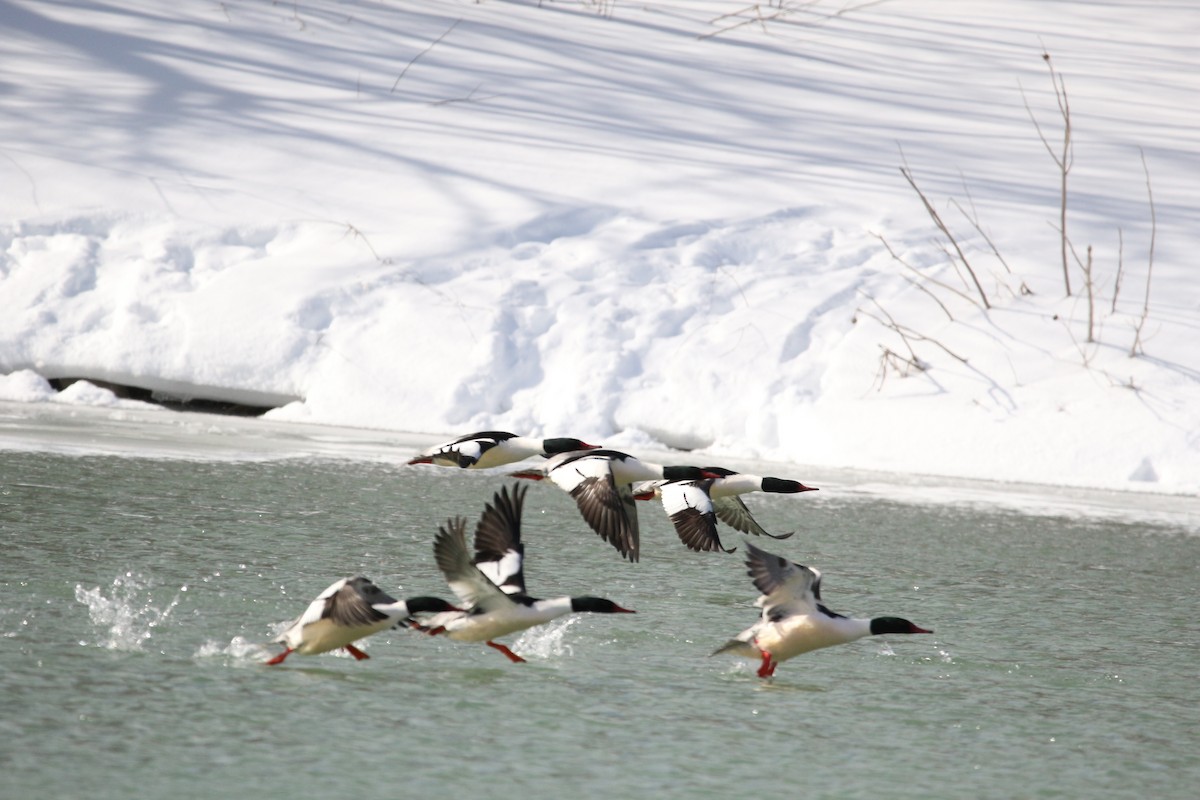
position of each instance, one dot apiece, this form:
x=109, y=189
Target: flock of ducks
x=488, y=577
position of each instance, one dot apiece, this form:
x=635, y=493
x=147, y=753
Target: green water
x=137, y=595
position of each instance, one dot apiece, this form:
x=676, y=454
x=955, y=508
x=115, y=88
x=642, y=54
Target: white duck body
x=793, y=619
x=349, y=610
x=485, y=625
x=492, y=585
x=801, y=633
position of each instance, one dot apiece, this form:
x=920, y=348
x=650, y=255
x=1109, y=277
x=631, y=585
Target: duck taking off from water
x=491, y=585
x=349, y=610
x=694, y=506
x=600, y=481
x=494, y=449
x=793, y=619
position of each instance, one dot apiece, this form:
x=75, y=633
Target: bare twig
x=925, y=277
x=890, y=358
x=1083, y=353
x=784, y=10
x=32, y=183
x=357, y=234
x=891, y=323
x=468, y=98
x=1063, y=161
x=974, y=220
x=423, y=52
x=1136, y=348
x=1120, y=267
x=906, y=332
x=758, y=17
x=934, y=297
x=1089, y=286
x=937, y=220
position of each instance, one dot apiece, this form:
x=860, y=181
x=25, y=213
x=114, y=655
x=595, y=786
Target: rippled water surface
x=139, y=593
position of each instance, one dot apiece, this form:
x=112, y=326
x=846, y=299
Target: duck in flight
x=794, y=621
x=349, y=610
x=495, y=448
x=601, y=483
x=694, y=506
x=491, y=583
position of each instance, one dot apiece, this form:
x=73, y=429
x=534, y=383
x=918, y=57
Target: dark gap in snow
x=175, y=402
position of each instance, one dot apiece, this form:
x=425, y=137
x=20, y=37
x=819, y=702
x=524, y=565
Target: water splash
x=127, y=613
x=239, y=650
x=546, y=641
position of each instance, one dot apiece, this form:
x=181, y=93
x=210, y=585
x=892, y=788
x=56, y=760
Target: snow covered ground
x=661, y=224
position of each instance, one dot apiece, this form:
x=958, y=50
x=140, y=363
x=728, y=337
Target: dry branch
x=423, y=52
x=1136, y=348
x=937, y=220
x=1063, y=161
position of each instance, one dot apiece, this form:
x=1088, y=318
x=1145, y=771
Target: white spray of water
x=546, y=641
x=237, y=651
x=127, y=613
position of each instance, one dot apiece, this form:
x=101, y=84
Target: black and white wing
x=607, y=506
x=354, y=603
x=787, y=587
x=465, y=451
x=733, y=512
x=499, y=552
x=465, y=579
x=690, y=509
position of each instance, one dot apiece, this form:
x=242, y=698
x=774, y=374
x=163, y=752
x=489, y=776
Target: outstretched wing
x=465, y=451
x=499, y=553
x=353, y=605
x=317, y=610
x=733, y=512
x=787, y=587
x=606, y=506
x=453, y=558
x=690, y=509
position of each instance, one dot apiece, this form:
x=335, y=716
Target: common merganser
x=601, y=481
x=694, y=506
x=793, y=619
x=347, y=611
x=492, y=584
x=495, y=448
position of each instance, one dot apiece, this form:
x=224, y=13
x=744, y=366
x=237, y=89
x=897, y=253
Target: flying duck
x=495, y=448
x=601, y=481
x=347, y=611
x=694, y=506
x=793, y=619
x=491, y=585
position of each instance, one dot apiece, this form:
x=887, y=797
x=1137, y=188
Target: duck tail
x=736, y=647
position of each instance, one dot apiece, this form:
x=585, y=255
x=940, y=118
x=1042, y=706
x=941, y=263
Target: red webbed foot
x=768, y=665
x=513, y=657
x=279, y=658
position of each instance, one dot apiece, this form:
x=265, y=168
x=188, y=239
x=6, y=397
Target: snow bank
x=657, y=225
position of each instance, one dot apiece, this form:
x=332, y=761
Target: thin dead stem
x=415, y=58
x=1137, y=346
x=937, y=220
x=1120, y=268
x=781, y=12
x=923, y=276
x=357, y=234
x=1063, y=160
